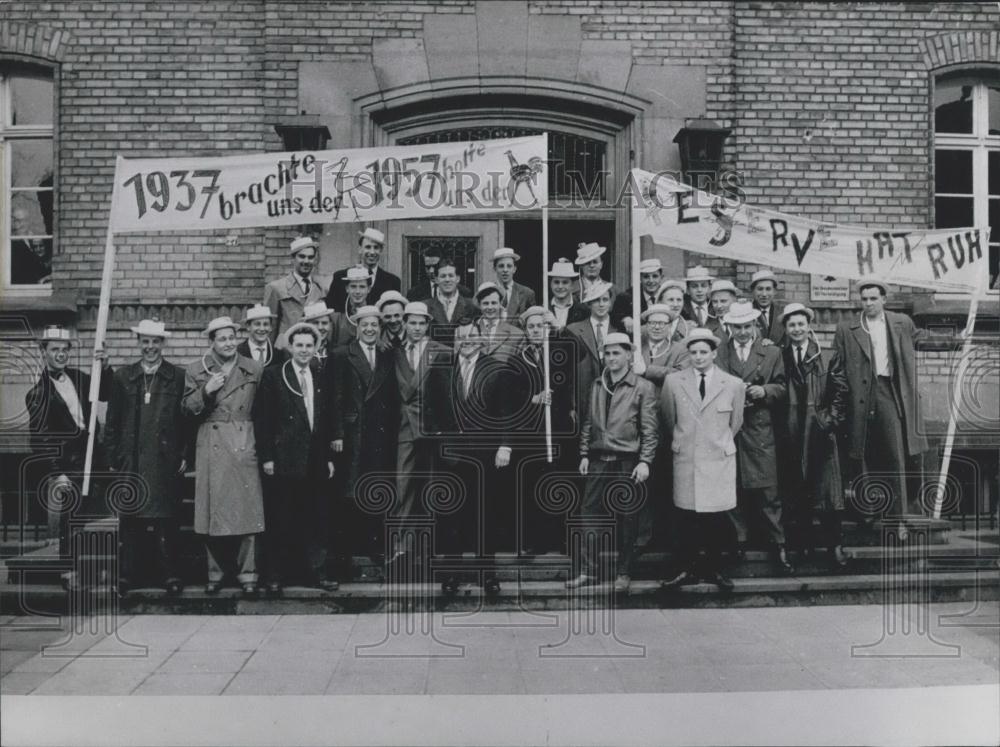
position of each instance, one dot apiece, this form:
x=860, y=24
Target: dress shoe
x=781, y=560
x=450, y=586
x=249, y=589
x=622, y=583
x=328, y=584
x=174, y=588
x=274, y=588
x=839, y=559
x=492, y=586
x=684, y=577
x=212, y=587
x=582, y=580
x=722, y=581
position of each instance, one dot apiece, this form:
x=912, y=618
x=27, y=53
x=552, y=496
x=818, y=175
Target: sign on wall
x=358, y=185
x=828, y=288
x=675, y=214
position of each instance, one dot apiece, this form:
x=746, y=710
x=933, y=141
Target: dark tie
x=701, y=387
x=305, y=284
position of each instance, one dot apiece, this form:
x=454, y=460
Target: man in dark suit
x=650, y=277
x=761, y=369
x=290, y=419
x=427, y=287
x=258, y=345
x=364, y=418
x=589, y=337
x=763, y=284
x=288, y=296
x=696, y=306
x=502, y=338
x=58, y=419
x=480, y=394
x=147, y=438
x=564, y=303
x=371, y=242
x=721, y=297
x=449, y=308
x=423, y=379
x=883, y=404
x=514, y=297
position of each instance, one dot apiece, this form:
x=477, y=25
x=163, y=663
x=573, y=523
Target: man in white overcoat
x=702, y=409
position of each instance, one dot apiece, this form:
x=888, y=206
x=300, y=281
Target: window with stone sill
x=967, y=155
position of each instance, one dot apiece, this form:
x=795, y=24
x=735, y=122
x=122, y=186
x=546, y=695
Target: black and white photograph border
x=501, y=372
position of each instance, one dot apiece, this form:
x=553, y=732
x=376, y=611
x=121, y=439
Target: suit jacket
x=854, y=348
x=590, y=361
x=506, y=340
x=687, y=312
x=277, y=355
x=426, y=290
x=521, y=298
x=337, y=297
x=483, y=412
x=425, y=395
x=775, y=330
x=443, y=329
x=758, y=458
x=671, y=357
x=622, y=307
x=702, y=436
x=365, y=412
x=285, y=298
x=52, y=427
x=577, y=312
x=281, y=424
x=528, y=379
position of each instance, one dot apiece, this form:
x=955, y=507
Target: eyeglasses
x=658, y=324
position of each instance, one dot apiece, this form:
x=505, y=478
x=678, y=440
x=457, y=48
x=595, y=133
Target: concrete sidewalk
x=631, y=651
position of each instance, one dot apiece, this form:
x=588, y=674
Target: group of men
x=351, y=416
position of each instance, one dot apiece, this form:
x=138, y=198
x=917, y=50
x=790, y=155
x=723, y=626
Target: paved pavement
x=632, y=651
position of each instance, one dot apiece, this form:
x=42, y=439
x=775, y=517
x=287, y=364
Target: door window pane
x=31, y=163
x=993, y=101
x=31, y=99
x=459, y=249
x=31, y=213
x=953, y=212
x=953, y=105
x=953, y=172
x=994, y=170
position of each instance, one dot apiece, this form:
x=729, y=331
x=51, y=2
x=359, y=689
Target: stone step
x=950, y=586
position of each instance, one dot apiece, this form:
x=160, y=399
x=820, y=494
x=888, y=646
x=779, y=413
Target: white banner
x=675, y=214
x=365, y=184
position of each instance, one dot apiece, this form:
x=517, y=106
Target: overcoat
x=775, y=330
x=505, y=342
x=671, y=357
x=425, y=398
x=227, y=491
x=149, y=440
x=528, y=379
x=854, y=348
x=364, y=414
x=702, y=434
x=281, y=423
x=758, y=459
x=521, y=299
x=287, y=302
x=813, y=456
x=275, y=356
x=342, y=330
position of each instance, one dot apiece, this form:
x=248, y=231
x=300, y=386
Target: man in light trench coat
x=219, y=389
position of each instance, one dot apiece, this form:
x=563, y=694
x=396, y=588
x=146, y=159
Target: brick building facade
x=831, y=108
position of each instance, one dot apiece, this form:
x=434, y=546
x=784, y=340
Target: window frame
x=8, y=134
x=979, y=142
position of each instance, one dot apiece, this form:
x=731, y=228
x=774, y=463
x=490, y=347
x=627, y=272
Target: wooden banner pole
x=545, y=343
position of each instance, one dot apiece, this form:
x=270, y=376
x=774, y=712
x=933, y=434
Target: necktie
x=599, y=334
x=743, y=353
x=701, y=386
x=699, y=312
x=798, y=356
x=306, y=395
x=305, y=284
x=370, y=352
x=258, y=353
x=412, y=355
x=466, y=378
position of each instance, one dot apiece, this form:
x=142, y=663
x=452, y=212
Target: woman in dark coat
x=817, y=401
x=147, y=437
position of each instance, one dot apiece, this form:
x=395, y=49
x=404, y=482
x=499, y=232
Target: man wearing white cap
x=448, y=307
x=219, y=390
x=291, y=427
x=563, y=303
x=699, y=283
x=501, y=337
x=344, y=330
x=391, y=305
x=288, y=296
x=258, y=344
x=760, y=367
x=702, y=409
x=763, y=284
x=423, y=380
x=371, y=243
x=650, y=277
x=884, y=429
x=721, y=297
x=514, y=297
x=618, y=442
x=589, y=337
x=817, y=407
x=322, y=318
x=363, y=427
x=147, y=436
x=660, y=352
x=58, y=418
x=590, y=261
